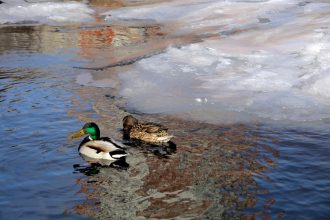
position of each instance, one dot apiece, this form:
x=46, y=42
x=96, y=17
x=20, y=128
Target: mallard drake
x=98, y=148
x=147, y=132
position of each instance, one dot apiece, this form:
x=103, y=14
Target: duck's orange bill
x=77, y=134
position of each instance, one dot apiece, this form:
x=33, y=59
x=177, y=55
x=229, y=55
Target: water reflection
x=107, y=3
x=162, y=150
x=89, y=170
x=211, y=174
x=31, y=39
x=94, y=168
x=112, y=41
x=18, y=37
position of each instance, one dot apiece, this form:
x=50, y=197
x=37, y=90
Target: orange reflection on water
x=89, y=39
x=107, y=3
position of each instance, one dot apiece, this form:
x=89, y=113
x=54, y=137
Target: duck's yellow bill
x=77, y=134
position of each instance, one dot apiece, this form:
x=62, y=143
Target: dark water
x=217, y=172
x=298, y=183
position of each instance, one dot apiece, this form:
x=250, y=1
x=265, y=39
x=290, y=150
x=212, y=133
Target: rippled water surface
x=246, y=96
x=36, y=169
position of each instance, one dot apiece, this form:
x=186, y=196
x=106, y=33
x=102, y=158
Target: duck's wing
x=114, y=142
x=153, y=128
x=101, y=146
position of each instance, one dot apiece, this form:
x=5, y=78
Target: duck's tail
x=118, y=154
x=164, y=139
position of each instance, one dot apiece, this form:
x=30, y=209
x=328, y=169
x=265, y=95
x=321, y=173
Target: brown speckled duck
x=147, y=132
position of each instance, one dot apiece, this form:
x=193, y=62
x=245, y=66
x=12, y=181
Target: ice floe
x=278, y=70
x=19, y=11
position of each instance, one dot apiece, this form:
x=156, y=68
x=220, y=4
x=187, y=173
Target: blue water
x=299, y=182
x=36, y=159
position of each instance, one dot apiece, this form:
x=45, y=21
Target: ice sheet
x=265, y=60
x=19, y=11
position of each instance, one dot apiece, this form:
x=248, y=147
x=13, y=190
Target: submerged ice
x=19, y=11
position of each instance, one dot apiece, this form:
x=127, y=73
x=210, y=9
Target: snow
x=18, y=11
x=277, y=70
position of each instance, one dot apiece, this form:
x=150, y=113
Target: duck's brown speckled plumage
x=148, y=132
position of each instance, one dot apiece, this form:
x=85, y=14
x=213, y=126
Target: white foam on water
x=19, y=11
x=276, y=71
